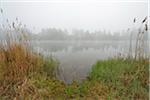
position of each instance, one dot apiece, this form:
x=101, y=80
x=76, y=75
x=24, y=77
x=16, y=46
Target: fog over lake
x=77, y=57
x=78, y=52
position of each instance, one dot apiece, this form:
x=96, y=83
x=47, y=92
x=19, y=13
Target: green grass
x=126, y=79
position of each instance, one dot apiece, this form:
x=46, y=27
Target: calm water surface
x=77, y=57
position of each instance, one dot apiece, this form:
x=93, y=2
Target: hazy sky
x=80, y=14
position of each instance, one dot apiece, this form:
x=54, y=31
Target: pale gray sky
x=80, y=14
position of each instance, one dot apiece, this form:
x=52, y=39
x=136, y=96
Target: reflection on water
x=76, y=58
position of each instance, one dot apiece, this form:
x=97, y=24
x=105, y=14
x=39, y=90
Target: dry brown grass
x=18, y=65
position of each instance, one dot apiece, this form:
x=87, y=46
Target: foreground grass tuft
x=126, y=79
x=17, y=66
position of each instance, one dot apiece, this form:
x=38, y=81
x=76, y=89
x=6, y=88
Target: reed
x=19, y=63
x=141, y=46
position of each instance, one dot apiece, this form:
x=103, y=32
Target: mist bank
x=56, y=34
x=84, y=35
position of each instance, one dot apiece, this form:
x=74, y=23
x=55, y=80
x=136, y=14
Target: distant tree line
x=79, y=34
x=75, y=34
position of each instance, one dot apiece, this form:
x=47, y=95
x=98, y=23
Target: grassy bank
x=27, y=75
x=126, y=79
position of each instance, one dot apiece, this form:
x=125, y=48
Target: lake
x=77, y=57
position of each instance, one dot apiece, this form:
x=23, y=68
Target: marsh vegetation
x=27, y=74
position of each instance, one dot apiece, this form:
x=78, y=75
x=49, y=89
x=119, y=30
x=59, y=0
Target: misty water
x=77, y=57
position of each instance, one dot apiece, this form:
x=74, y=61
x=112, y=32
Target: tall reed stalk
x=140, y=42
